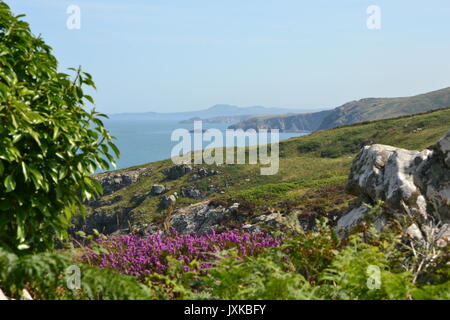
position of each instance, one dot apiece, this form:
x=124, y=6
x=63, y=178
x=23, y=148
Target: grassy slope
x=383, y=108
x=353, y=112
x=312, y=171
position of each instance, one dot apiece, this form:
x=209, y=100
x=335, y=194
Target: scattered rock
x=250, y=228
x=234, y=207
x=177, y=171
x=157, y=189
x=205, y=172
x=2, y=295
x=214, y=188
x=276, y=220
x=416, y=130
x=26, y=295
x=195, y=177
x=168, y=201
x=191, y=192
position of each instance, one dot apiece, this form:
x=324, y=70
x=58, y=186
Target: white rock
x=26, y=295
x=414, y=232
x=2, y=295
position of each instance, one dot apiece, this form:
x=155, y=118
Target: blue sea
x=144, y=141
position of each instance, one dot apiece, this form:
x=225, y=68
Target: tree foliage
x=50, y=142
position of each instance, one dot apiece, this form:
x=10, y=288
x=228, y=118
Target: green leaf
x=9, y=183
x=25, y=171
x=115, y=149
x=23, y=246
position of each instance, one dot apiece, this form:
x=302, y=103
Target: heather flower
x=142, y=256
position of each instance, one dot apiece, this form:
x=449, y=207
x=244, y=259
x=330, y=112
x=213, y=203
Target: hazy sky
x=176, y=55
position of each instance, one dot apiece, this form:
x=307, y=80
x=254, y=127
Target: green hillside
x=383, y=108
x=368, y=109
x=311, y=167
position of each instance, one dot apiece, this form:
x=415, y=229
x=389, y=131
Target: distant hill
x=289, y=122
x=351, y=112
x=219, y=110
x=219, y=119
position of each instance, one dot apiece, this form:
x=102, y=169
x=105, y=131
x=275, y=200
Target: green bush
x=45, y=276
x=49, y=143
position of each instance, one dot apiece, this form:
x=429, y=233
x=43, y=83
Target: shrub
x=44, y=276
x=50, y=144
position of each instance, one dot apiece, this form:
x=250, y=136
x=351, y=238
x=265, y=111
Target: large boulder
x=433, y=179
x=381, y=172
x=407, y=181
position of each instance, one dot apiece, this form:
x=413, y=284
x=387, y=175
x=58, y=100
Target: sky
x=179, y=55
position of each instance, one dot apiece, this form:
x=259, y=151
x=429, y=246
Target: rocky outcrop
x=177, y=171
x=157, y=189
x=104, y=221
x=304, y=122
x=191, y=192
x=204, y=172
x=200, y=218
x=116, y=180
x=204, y=217
x=433, y=179
x=367, y=109
x=406, y=181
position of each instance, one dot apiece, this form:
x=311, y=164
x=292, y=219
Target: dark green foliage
x=315, y=265
x=45, y=276
x=49, y=143
x=309, y=146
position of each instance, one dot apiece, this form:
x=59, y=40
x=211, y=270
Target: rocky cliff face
x=382, y=108
x=352, y=112
x=288, y=123
x=409, y=182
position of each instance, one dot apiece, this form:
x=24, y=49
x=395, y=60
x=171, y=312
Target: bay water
x=148, y=140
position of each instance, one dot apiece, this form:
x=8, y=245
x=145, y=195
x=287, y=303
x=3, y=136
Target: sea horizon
x=148, y=140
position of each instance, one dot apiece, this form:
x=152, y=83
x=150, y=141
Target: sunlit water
x=143, y=141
